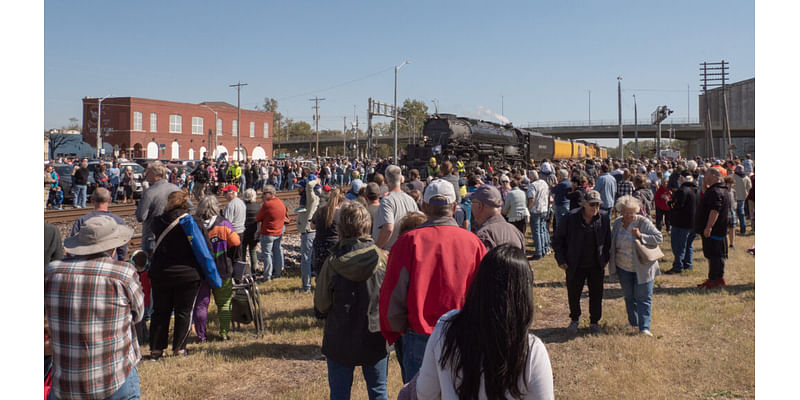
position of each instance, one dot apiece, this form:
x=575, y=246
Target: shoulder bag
x=646, y=253
x=199, y=247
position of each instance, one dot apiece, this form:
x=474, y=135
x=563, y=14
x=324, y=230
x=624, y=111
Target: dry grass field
x=704, y=344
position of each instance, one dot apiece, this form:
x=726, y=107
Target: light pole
x=100, y=123
x=397, y=68
x=635, y=128
x=213, y=152
x=619, y=109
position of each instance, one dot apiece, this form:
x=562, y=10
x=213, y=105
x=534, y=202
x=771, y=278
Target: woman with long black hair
x=489, y=334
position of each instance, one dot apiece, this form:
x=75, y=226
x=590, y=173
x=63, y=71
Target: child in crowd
x=58, y=198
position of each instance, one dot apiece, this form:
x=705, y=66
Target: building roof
x=218, y=104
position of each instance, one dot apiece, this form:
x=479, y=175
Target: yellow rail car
x=603, y=153
x=578, y=150
x=562, y=149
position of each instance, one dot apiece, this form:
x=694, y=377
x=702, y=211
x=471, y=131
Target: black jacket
x=81, y=176
x=568, y=240
x=348, y=288
x=174, y=259
x=683, y=206
x=714, y=198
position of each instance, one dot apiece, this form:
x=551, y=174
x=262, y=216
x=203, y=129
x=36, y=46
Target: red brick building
x=157, y=129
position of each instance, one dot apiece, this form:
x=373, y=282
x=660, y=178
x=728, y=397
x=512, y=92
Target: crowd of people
x=436, y=269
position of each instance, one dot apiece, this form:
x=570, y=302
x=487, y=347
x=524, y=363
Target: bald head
x=101, y=198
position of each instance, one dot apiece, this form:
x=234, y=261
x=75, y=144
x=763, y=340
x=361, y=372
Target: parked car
x=64, y=172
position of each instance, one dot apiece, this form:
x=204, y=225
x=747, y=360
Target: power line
x=335, y=86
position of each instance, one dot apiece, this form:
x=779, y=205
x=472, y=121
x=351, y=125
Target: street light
x=397, y=68
x=100, y=123
x=214, y=152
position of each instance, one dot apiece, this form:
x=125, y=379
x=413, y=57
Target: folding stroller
x=246, y=301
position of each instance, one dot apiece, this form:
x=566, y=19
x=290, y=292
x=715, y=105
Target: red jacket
x=272, y=215
x=428, y=273
x=661, y=203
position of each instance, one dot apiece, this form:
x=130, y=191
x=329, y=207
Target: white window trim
x=201, y=126
x=180, y=123
x=153, y=122
x=235, y=128
x=252, y=129
x=141, y=121
x=219, y=126
x=266, y=129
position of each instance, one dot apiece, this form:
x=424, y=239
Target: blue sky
x=534, y=61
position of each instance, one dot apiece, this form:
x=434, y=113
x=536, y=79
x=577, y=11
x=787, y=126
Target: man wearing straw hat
x=92, y=302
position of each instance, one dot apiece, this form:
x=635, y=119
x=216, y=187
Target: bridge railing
x=595, y=122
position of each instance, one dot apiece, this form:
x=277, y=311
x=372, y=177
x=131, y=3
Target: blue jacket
x=560, y=193
x=607, y=186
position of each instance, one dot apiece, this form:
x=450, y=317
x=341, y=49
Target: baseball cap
x=439, y=188
x=373, y=189
x=326, y=188
x=487, y=194
x=592, y=196
x=229, y=188
x=739, y=168
x=505, y=178
x=311, y=177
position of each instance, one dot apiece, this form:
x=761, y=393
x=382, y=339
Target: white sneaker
x=646, y=332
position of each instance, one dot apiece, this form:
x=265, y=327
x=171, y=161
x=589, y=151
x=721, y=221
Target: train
x=479, y=143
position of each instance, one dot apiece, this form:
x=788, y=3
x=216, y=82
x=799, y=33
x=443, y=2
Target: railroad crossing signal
x=660, y=114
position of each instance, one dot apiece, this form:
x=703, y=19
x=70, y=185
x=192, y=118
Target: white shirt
x=434, y=382
x=539, y=191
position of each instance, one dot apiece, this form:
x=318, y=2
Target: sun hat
x=99, y=234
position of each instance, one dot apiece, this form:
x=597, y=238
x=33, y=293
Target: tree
x=59, y=140
x=271, y=105
x=300, y=128
x=73, y=124
x=414, y=113
x=383, y=129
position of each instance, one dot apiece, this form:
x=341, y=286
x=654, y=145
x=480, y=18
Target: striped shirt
x=92, y=306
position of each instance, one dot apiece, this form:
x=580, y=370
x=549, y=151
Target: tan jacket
x=312, y=202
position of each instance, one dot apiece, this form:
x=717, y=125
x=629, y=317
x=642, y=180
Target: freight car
x=481, y=144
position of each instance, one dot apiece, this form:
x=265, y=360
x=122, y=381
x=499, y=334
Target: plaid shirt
x=624, y=188
x=92, y=306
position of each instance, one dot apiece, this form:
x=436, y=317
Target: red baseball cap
x=326, y=188
x=230, y=188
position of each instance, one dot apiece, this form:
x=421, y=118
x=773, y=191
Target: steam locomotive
x=479, y=143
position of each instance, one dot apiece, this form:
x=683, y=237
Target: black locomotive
x=479, y=143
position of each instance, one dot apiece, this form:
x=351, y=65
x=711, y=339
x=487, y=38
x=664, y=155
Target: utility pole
x=238, y=117
x=635, y=128
x=397, y=68
x=619, y=109
x=316, y=101
x=590, y=107
x=100, y=124
x=344, y=138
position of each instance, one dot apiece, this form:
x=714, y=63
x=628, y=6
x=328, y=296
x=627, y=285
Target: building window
x=137, y=121
x=266, y=129
x=252, y=129
x=153, y=122
x=175, y=123
x=235, y=128
x=197, y=125
x=219, y=127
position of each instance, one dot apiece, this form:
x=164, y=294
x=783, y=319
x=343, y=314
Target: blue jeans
x=638, y=299
x=561, y=212
x=306, y=250
x=340, y=379
x=740, y=214
x=114, y=192
x=413, y=353
x=80, y=196
x=682, y=239
x=541, y=238
x=271, y=256
x=128, y=391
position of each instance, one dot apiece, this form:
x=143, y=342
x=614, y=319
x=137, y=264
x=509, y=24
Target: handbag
x=646, y=253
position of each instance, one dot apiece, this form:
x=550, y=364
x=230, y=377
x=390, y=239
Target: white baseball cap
x=440, y=188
